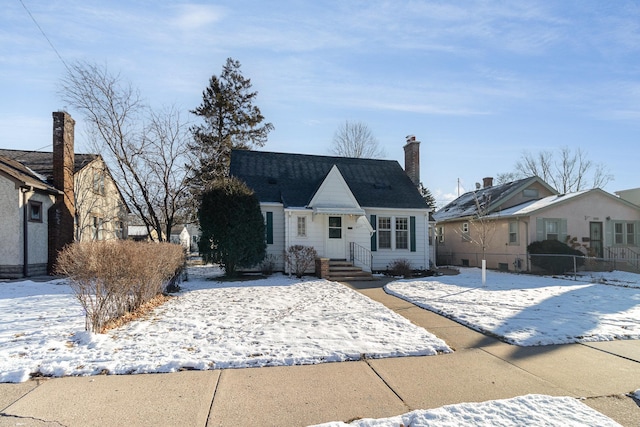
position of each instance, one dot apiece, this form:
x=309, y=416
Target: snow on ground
x=210, y=325
x=530, y=310
x=530, y=410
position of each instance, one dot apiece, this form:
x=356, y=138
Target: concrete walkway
x=481, y=368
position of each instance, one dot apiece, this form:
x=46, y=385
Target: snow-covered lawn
x=210, y=325
x=530, y=410
x=529, y=310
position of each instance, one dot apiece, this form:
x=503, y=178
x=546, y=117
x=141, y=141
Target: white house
x=365, y=211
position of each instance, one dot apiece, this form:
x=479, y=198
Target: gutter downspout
x=25, y=232
x=526, y=227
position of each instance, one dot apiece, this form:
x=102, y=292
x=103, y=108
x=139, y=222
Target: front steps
x=344, y=271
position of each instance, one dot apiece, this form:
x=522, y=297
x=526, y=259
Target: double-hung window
x=551, y=230
x=513, y=233
x=394, y=232
x=302, y=226
x=384, y=232
x=402, y=233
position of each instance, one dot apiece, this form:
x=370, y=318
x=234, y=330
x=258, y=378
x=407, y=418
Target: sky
x=479, y=83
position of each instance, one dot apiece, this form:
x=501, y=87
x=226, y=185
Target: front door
x=336, y=248
x=595, y=238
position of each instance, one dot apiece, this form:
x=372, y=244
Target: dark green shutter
x=412, y=233
x=269, y=228
x=374, y=242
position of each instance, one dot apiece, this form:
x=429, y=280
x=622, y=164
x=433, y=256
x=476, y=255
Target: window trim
x=333, y=228
x=515, y=233
x=389, y=226
x=32, y=206
x=301, y=223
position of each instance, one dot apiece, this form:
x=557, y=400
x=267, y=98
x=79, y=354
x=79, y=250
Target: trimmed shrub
x=400, y=267
x=542, y=256
x=299, y=259
x=114, y=278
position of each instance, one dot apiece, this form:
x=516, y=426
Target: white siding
x=418, y=259
x=334, y=192
x=276, y=249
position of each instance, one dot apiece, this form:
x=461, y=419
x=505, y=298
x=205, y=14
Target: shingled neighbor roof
x=42, y=162
x=491, y=198
x=24, y=175
x=293, y=179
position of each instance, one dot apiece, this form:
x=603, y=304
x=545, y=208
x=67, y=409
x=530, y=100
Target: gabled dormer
x=334, y=196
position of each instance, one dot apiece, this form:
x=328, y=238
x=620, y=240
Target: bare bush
x=299, y=259
x=400, y=267
x=113, y=278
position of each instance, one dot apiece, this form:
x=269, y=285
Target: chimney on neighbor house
x=412, y=159
x=487, y=182
x=61, y=214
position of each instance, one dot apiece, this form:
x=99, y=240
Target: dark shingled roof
x=42, y=162
x=293, y=179
x=21, y=173
x=495, y=196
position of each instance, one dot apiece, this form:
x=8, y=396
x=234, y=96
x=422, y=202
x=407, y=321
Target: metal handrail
x=625, y=253
x=361, y=254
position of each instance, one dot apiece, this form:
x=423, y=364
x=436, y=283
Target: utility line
x=45, y=36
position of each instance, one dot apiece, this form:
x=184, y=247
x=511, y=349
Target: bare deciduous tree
x=146, y=150
x=566, y=170
x=355, y=139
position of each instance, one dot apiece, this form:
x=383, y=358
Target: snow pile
x=530, y=310
x=530, y=410
x=210, y=325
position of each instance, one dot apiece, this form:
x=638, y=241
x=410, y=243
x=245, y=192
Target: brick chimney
x=412, y=159
x=61, y=214
x=487, y=182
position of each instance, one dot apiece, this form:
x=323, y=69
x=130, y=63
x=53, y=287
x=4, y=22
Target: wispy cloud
x=190, y=17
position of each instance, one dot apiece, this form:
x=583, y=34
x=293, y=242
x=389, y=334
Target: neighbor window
x=384, y=233
x=618, y=235
x=35, y=211
x=513, y=233
x=302, y=226
x=98, y=181
x=441, y=234
x=120, y=229
x=624, y=233
x=402, y=233
x=530, y=192
x=96, y=228
x=551, y=229
x=631, y=234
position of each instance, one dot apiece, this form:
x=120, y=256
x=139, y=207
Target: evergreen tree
x=427, y=196
x=232, y=226
x=231, y=121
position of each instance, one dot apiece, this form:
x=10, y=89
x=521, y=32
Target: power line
x=45, y=36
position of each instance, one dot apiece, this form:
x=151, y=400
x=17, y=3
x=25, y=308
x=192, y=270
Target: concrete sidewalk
x=480, y=369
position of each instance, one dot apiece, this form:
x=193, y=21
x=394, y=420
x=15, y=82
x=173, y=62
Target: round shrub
x=542, y=256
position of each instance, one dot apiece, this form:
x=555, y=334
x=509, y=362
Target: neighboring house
x=186, y=235
x=25, y=198
x=88, y=204
x=100, y=210
x=515, y=214
x=632, y=195
x=364, y=210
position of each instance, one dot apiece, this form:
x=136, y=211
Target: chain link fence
x=536, y=263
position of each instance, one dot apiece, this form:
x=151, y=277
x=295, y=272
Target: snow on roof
x=534, y=205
